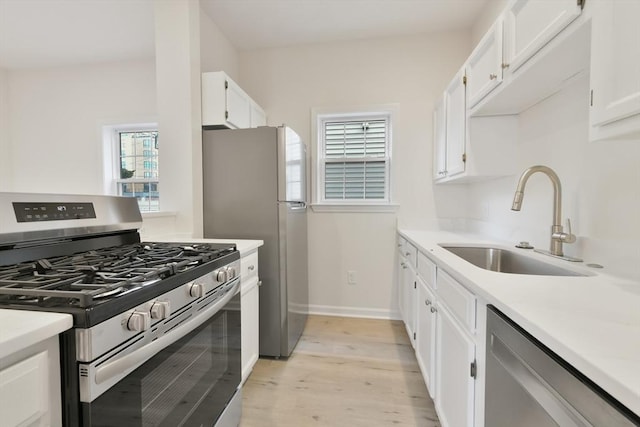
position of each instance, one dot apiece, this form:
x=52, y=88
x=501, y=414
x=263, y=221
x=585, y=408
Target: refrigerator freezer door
x=292, y=165
x=293, y=272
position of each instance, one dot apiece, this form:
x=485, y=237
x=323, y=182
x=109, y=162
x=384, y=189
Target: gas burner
x=94, y=276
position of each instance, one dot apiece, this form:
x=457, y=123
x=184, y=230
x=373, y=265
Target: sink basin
x=506, y=261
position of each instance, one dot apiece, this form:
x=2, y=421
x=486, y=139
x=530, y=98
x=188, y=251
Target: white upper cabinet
x=530, y=24
x=540, y=52
x=615, y=69
x=226, y=105
x=484, y=66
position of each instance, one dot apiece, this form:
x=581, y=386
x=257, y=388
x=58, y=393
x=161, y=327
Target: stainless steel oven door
x=187, y=383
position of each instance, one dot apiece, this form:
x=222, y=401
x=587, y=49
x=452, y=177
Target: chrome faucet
x=558, y=236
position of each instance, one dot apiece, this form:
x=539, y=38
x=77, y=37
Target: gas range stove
x=93, y=285
x=82, y=255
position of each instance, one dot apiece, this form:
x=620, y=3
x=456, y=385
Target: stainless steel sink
x=506, y=261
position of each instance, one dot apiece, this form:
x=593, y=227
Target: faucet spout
x=557, y=235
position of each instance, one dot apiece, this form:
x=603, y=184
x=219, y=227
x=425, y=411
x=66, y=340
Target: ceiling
x=46, y=33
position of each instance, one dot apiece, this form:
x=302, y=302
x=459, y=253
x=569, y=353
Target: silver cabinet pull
x=505, y=65
x=433, y=309
x=259, y=283
x=493, y=76
x=427, y=302
x=251, y=268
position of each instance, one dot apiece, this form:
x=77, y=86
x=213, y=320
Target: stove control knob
x=160, y=310
x=221, y=276
x=196, y=290
x=138, y=321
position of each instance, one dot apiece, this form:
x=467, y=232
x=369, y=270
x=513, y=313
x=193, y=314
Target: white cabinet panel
x=456, y=124
x=23, y=393
x=426, y=335
x=530, y=24
x=439, y=139
x=615, y=66
x=238, y=106
x=460, y=301
x=249, y=313
x=258, y=116
x=484, y=66
x=455, y=387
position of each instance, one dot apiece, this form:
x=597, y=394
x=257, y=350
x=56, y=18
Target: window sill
x=359, y=208
x=161, y=214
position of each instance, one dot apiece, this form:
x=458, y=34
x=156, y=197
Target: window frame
x=113, y=181
x=370, y=113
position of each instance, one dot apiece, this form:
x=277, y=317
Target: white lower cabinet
x=30, y=386
x=445, y=322
x=249, y=305
x=426, y=321
x=455, y=384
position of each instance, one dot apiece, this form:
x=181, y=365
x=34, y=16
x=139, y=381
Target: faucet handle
x=568, y=237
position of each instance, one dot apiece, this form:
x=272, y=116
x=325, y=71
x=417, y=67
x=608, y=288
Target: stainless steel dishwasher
x=527, y=385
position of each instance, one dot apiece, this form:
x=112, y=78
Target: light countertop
x=591, y=322
x=244, y=246
x=20, y=329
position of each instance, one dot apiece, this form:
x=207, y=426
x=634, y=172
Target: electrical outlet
x=351, y=277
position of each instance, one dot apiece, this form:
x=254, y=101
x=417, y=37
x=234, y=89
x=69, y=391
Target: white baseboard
x=369, y=313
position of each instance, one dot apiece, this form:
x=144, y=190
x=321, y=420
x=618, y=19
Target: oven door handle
x=123, y=365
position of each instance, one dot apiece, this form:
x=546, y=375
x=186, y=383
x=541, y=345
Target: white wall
x=189, y=43
x=216, y=52
x=486, y=19
x=408, y=71
x=56, y=118
x=600, y=182
x=5, y=146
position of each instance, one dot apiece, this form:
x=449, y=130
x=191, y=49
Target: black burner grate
x=83, y=279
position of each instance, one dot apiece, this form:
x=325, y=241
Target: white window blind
x=354, y=160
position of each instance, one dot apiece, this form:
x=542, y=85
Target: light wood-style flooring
x=344, y=372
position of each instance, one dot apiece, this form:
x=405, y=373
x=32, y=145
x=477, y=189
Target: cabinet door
x=456, y=114
x=439, y=140
x=249, y=312
x=410, y=302
x=530, y=24
x=402, y=267
x=484, y=67
x=426, y=335
x=455, y=385
x=238, y=106
x=23, y=393
x=258, y=116
x=615, y=61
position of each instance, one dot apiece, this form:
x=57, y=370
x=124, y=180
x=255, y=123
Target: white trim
x=367, y=313
x=158, y=214
x=350, y=207
x=389, y=111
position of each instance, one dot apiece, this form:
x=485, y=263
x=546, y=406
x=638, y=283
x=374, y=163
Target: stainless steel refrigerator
x=254, y=187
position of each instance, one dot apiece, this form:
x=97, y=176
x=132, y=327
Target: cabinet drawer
x=401, y=244
x=426, y=270
x=460, y=302
x=249, y=265
x=411, y=253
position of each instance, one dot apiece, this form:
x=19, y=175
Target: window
x=354, y=156
x=138, y=160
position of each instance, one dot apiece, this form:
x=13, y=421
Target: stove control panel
x=46, y=211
